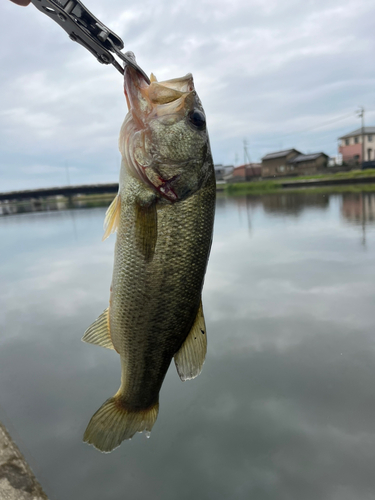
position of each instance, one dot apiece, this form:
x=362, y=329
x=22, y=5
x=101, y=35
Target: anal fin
x=98, y=333
x=190, y=357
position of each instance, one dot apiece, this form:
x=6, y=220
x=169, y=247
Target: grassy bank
x=353, y=174
x=268, y=186
x=256, y=187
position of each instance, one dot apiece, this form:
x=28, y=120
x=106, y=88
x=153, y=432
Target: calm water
x=285, y=405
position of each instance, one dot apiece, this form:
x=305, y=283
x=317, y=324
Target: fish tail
x=114, y=422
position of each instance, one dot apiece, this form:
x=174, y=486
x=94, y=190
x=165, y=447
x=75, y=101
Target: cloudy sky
x=278, y=73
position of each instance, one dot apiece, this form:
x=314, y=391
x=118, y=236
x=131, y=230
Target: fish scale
x=183, y=274
x=163, y=215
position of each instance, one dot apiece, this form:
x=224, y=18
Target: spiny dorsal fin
x=190, y=357
x=146, y=229
x=112, y=217
x=98, y=333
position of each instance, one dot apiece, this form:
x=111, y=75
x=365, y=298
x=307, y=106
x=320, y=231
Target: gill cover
x=163, y=140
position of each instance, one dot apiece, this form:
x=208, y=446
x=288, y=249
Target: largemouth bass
x=163, y=215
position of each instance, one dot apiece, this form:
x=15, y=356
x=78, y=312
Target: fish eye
x=197, y=119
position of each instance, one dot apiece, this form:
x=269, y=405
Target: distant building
x=335, y=161
x=247, y=172
x=309, y=164
x=351, y=145
x=223, y=172
x=292, y=162
x=277, y=163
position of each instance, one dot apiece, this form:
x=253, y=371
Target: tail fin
x=113, y=423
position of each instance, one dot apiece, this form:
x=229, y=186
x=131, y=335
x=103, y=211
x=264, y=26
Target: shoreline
x=86, y=196
x=17, y=480
x=340, y=182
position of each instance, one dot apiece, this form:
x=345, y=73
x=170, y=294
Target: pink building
x=351, y=145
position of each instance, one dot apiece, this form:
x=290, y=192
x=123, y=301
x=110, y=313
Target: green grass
x=355, y=188
x=353, y=174
x=267, y=186
x=252, y=187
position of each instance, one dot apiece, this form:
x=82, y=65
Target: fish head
x=164, y=139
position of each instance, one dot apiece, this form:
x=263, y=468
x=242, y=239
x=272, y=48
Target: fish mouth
x=169, y=97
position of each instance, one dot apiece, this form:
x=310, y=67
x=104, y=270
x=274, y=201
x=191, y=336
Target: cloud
x=267, y=71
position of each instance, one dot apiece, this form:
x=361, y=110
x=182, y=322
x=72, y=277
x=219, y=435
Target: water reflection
x=279, y=204
x=54, y=204
x=356, y=207
x=293, y=203
x=359, y=207
x=285, y=405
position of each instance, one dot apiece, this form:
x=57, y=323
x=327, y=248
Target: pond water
x=285, y=405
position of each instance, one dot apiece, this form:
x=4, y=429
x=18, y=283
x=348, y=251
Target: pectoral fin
x=191, y=355
x=112, y=217
x=98, y=333
x=146, y=229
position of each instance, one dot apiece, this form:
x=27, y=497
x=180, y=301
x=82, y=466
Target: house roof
x=358, y=131
x=279, y=154
x=309, y=157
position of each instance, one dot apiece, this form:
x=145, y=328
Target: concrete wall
x=17, y=482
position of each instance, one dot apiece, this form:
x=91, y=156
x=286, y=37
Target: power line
x=323, y=124
x=319, y=126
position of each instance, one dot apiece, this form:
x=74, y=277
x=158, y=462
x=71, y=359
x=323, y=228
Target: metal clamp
x=84, y=28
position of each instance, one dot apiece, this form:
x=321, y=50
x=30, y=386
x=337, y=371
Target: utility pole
x=246, y=157
x=361, y=114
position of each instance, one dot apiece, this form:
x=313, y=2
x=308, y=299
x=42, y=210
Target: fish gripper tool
x=84, y=28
